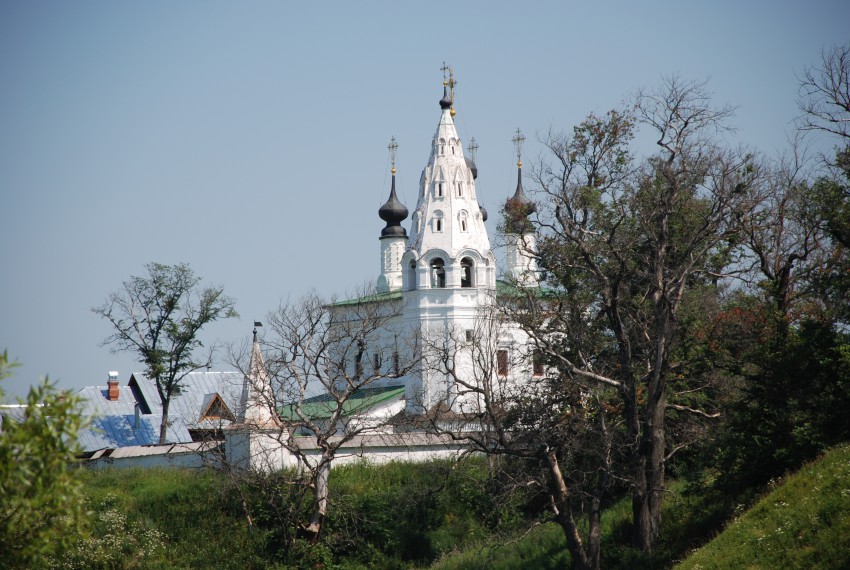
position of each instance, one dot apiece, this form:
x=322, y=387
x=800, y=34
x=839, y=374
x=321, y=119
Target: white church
x=438, y=279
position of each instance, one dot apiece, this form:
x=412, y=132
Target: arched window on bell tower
x=466, y=272
x=411, y=275
x=438, y=273
x=438, y=221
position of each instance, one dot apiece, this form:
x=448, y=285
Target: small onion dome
x=445, y=102
x=517, y=209
x=393, y=212
x=483, y=212
x=472, y=167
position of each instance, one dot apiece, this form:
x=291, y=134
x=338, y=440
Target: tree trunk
x=641, y=534
x=656, y=479
x=564, y=516
x=163, y=425
x=320, y=499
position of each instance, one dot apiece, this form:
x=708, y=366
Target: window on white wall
x=502, y=362
x=411, y=275
x=438, y=221
x=438, y=273
x=466, y=266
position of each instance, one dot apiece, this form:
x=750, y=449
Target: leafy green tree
x=41, y=509
x=633, y=243
x=160, y=317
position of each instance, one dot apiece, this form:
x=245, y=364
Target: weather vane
x=518, y=140
x=393, y=146
x=472, y=148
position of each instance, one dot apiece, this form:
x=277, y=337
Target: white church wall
x=261, y=451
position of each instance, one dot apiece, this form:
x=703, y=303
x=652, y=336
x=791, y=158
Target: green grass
x=438, y=516
x=803, y=523
x=543, y=548
x=187, y=512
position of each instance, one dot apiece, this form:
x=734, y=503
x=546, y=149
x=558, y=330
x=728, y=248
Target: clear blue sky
x=249, y=138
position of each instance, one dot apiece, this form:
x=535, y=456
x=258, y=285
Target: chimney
x=112, y=387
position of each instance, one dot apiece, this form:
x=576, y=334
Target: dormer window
x=460, y=188
x=438, y=273
x=214, y=408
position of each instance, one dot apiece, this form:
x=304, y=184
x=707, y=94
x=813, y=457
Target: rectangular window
x=537, y=364
x=502, y=362
x=377, y=361
x=469, y=335
x=396, y=364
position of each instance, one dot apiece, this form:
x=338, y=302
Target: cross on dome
x=393, y=147
x=472, y=148
x=518, y=139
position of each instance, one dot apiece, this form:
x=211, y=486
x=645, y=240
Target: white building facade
x=439, y=284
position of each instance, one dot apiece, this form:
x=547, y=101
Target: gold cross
x=518, y=140
x=393, y=146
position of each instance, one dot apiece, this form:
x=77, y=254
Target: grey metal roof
x=196, y=390
x=121, y=431
x=12, y=413
x=96, y=403
x=113, y=423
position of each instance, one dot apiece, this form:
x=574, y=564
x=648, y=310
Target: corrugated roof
x=113, y=423
x=196, y=389
x=323, y=405
x=96, y=403
x=121, y=431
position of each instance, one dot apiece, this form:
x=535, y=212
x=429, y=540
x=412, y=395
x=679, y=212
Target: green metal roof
x=373, y=298
x=507, y=289
x=322, y=406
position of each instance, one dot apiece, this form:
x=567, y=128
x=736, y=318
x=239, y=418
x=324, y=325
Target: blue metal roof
x=122, y=431
x=113, y=423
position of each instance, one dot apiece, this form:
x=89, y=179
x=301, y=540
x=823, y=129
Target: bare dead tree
x=552, y=431
x=325, y=360
x=824, y=96
x=782, y=236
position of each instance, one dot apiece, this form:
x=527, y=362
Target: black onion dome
x=517, y=209
x=483, y=212
x=472, y=167
x=393, y=212
x=445, y=102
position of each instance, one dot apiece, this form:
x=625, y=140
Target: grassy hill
x=804, y=522
x=414, y=516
